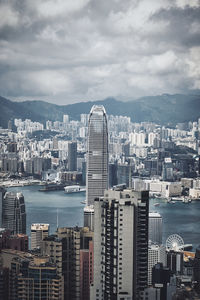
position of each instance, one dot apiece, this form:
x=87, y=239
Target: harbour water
x=180, y=218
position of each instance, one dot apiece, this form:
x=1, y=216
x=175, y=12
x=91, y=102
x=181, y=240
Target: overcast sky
x=65, y=51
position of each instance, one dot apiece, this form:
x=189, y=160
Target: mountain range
x=163, y=109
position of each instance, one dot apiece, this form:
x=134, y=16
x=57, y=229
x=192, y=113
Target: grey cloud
x=96, y=49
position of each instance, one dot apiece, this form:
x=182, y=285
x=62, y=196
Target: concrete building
x=120, y=245
x=170, y=189
x=155, y=227
x=16, y=242
x=38, y=233
x=14, y=213
x=156, y=254
x=97, y=154
x=194, y=193
x=31, y=277
x=64, y=249
x=86, y=271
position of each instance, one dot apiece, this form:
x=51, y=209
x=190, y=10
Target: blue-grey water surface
x=41, y=207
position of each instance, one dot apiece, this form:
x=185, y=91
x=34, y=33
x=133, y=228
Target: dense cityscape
x=125, y=172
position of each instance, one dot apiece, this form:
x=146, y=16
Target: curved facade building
x=97, y=154
x=14, y=213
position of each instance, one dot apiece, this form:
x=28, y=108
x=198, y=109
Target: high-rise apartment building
x=14, y=213
x=38, y=233
x=120, y=244
x=72, y=156
x=31, y=277
x=97, y=154
x=155, y=228
x=64, y=249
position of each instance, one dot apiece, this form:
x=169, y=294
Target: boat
x=83, y=202
x=156, y=204
x=69, y=189
x=157, y=195
x=187, y=200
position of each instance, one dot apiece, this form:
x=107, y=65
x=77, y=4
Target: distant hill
x=163, y=109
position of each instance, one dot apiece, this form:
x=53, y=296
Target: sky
x=67, y=51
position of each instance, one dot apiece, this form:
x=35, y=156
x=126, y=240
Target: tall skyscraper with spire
x=97, y=161
x=97, y=154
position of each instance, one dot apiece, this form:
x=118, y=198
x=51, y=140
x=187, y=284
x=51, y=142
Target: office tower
x=28, y=166
x=120, y=244
x=37, y=165
x=124, y=174
x=14, y=213
x=112, y=174
x=175, y=261
x=72, y=156
x=155, y=228
x=167, y=171
x=84, y=167
x=38, y=233
x=156, y=254
x=97, y=154
x=161, y=280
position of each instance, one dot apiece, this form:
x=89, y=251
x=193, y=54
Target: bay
x=41, y=207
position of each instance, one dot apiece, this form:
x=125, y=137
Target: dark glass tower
x=97, y=154
x=14, y=213
x=72, y=156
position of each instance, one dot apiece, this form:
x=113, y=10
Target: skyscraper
x=97, y=154
x=14, y=213
x=72, y=156
x=120, y=244
x=155, y=228
x=156, y=254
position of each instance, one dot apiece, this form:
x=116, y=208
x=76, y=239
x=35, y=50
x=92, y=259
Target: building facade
x=155, y=228
x=14, y=213
x=156, y=254
x=120, y=245
x=72, y=156
x=38, y=233
x=97, y=154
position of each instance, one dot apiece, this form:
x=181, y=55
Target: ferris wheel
x=174, y=242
